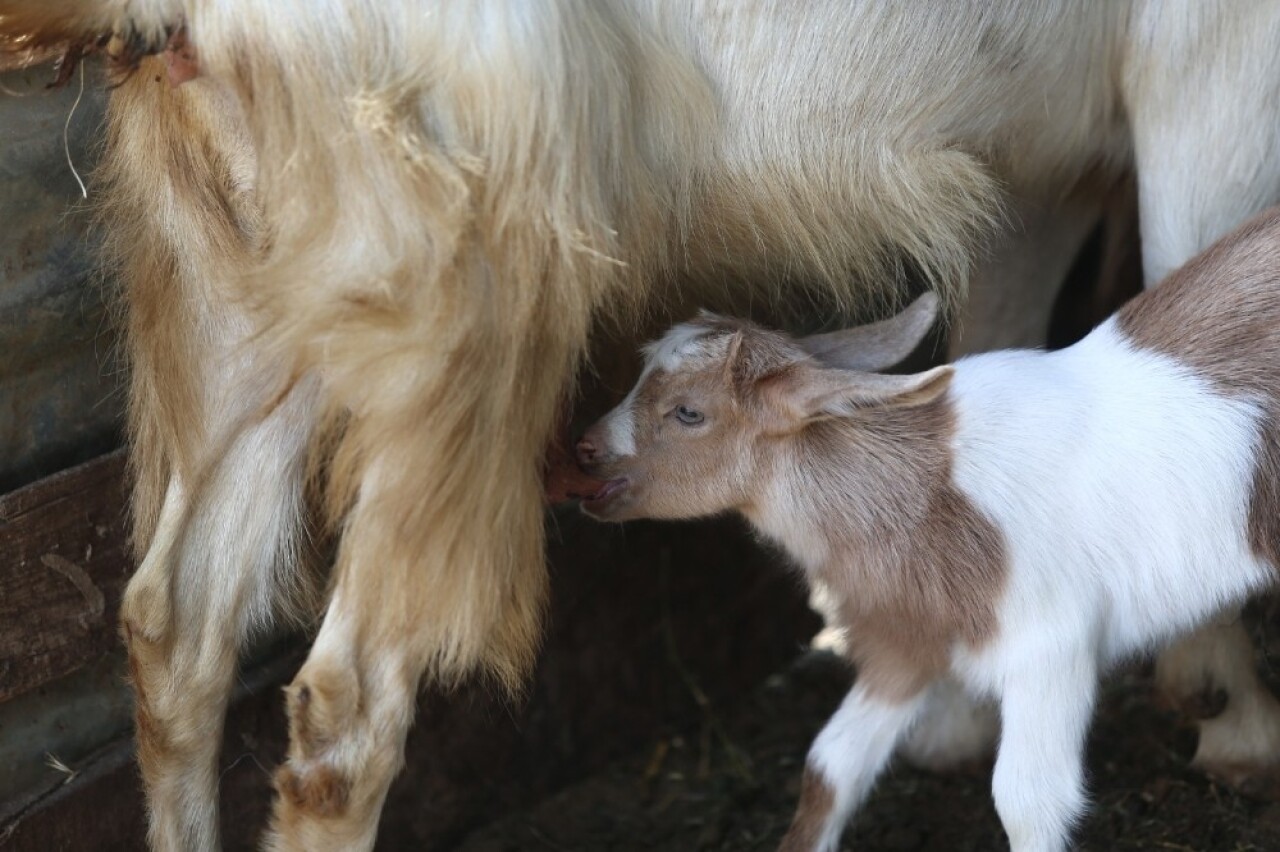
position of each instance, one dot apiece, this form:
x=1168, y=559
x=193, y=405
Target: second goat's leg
x=1212, y=676
x=953, y=729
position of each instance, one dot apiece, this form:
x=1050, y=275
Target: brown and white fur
x=372, y=236
x=1017, y=522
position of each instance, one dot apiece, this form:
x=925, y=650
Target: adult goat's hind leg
x=440, y=568
x=217, y=460
x=350, y=708
x=436, y=595
x=208, y=579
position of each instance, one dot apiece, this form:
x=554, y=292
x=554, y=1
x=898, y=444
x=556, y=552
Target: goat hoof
x=1257, y=781
x=1207, y=703
x=1193, y=703
x=970, y=767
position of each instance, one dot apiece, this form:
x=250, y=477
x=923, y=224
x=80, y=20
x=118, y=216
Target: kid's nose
x=586, y=451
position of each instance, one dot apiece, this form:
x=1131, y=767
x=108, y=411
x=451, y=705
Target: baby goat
x=1017, y=522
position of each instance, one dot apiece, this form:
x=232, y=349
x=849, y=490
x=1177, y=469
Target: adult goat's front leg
x=1011, y=296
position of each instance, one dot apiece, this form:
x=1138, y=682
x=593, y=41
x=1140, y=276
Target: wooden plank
x=103, y=800
x=100, y=806
x=64, y=561
x=61, y=394
x=637, y=615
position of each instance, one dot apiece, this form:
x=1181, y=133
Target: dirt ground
x=732, y=782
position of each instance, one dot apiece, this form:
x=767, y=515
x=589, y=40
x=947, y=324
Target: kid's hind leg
x=953, y=730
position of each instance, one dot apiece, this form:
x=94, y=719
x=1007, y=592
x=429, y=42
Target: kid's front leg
x=843, y=765
x=1039, y=777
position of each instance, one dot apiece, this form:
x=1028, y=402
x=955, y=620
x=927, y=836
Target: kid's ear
x=806, y=392
x=878, y=346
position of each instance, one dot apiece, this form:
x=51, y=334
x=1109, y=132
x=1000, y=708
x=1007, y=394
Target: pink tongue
x=605, y=490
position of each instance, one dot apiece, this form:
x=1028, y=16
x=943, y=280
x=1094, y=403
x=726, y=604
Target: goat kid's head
x=718, y=395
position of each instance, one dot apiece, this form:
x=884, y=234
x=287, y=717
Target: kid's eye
x=688, y=416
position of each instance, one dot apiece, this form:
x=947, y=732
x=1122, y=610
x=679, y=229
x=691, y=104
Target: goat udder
x=563, y=479
x=180, y=58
